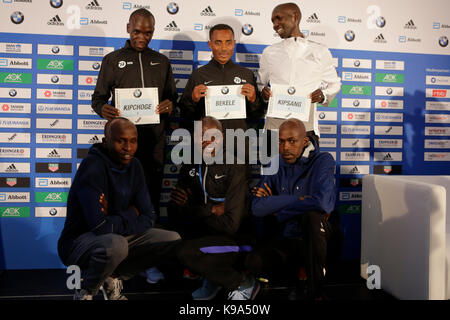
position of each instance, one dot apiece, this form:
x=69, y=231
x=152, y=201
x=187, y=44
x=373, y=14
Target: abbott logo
x=373, y=277
x=74, y=280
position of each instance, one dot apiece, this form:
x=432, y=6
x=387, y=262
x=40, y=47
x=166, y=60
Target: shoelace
x=234, y=293
x=117, y=287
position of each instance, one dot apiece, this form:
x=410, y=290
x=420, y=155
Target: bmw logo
x=55, y=49
x=17, y=17
x=122, y=64
x=356, y=103
x=389, y=91
x=433, y=80
x=12, y=92
x=357, y=63
x=55, y=79
x=349, y=35
x=247, y=29
x=291, y=90
x=237, y=80
x=53, y=212
x=225, y=90
x=96, y=66
x=172, y=8
x=443, y=41
x=381, y=22
x=322, y=115
x=56, y=3
x=137, y=93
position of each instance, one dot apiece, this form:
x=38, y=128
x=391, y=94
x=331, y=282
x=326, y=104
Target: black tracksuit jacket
x=215, y=74
x=128, y=68
x=226, y=181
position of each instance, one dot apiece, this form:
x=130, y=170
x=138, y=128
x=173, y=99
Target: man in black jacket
x=109, y=230
x=220, y=71
x=137, y=66
x=210, y=204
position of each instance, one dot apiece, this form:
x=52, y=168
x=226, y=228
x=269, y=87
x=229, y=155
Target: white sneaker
x=112, y=288
x=245, y=293
x=82, y=295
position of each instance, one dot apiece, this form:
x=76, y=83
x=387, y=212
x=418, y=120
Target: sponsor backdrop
x=391, y=117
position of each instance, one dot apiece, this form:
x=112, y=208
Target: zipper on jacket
x=142, y=70
x=204, y=183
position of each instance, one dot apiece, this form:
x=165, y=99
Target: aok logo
x=51, y=197
x=11, y=212
x=13, y=78
x=55, y=65
x=356, y=90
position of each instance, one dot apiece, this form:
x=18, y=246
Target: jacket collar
x=216, y=64
x=310, y=152
x=99, y=150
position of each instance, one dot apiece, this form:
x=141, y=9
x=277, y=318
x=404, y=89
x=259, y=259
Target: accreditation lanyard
x=203, y=184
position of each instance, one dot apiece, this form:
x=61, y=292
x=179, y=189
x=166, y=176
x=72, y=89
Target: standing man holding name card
x=221, y=75
x=143, y=71
x=297, y=65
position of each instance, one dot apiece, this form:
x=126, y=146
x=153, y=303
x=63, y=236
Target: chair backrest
x=403, y=232
x=439, y=180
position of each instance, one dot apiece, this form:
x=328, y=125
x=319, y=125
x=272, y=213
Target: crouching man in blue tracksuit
x=300, y=196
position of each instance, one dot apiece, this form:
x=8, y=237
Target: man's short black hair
x=220, y=26
x=142, y=12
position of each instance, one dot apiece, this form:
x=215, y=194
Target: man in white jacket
x=297, y=62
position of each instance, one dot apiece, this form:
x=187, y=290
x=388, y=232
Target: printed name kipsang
x=290, y=103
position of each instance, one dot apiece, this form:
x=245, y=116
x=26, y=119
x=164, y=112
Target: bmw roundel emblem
x=433, y=80
x=225, y=90
x=137, y=93
x=356, y=103
x=53, y=212
x=96, y=66
x=247, y=29
x=291, y=90
x=56, y=3
x=357, y=63
x=172, y=8
x=55, y=79
x=12, y=92
x=389, y=91
x=350, y=35
x=17, y=17
x=381, y=22
x=55, y=49
x=443, y=41
x=322, y=115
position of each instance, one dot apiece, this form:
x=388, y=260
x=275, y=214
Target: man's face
x=291, y=143
x=222, y=45
x=284, y=22
x=122, y=142
x=210, y=138
x=141, y=32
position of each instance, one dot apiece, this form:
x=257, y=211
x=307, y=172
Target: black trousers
x=150, y=152
x=282, y=257
x=218, y=258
